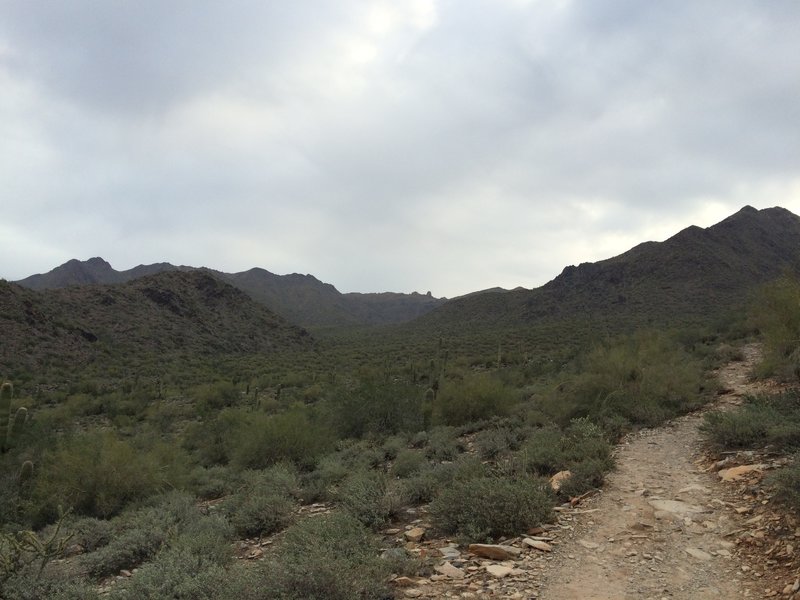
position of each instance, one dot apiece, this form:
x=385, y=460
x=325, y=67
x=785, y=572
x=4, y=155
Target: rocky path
x=665, y=525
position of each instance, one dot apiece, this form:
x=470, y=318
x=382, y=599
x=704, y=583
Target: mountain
x=694, y=276
x=301, y=299
x=156, y=318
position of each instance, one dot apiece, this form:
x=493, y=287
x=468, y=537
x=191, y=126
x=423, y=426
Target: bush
x=378, y=408
x=787, y=483
x=263, y=505
x=766, y=420
x=494, y=442
x=139, y=534
x=475, y=398
x=332, y=557
x=776, y=313
x=25, y=587
x=366, y=495
x=542, y=452
x=490, y=507
x=111, y=473
x=443, y=444
x=407, y=463
x=268, y=439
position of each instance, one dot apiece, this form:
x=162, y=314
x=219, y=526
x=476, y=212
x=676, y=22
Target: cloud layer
x=385, y=145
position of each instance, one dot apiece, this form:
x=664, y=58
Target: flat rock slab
x=698, y=554
x=676, y=507
x=498, y=571
x=495, y=551
x=735, y=473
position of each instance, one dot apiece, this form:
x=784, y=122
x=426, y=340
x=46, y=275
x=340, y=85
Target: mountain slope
x=160, y=317
x=692, y=276
x=301, y=299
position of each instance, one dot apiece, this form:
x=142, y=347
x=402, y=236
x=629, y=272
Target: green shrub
x=542, y=453
x=268, y=439
x=443, y=444
x=376, y=407
x=213, y=397
x=407, y=463
x=111, y=472
x=332, y=557
x=367, y=496
x=26, y=587
x=495, y=442
x=490, y=507
x=263, y=504
x=139, y=534
x=776, y=313
x=475, y=398
x=786, y=482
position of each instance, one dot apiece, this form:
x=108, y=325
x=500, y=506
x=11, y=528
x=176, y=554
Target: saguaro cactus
x=10, y=425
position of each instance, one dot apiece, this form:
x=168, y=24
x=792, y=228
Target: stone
x=413, y=593
x=676, y=507
x=403, y=582
x=538, y=545
x=495, y=551
x=450, y=571
x=589, y=545
x=450, y=552
x=558, y=479
x=735, y=473
x=698, y=554
x=415, y=534
x=498, y=571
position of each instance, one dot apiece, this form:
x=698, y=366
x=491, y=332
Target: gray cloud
x=417, y=145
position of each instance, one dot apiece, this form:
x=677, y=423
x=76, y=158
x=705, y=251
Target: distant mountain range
x=695, y=275
x=178, y=315
x=301, y=299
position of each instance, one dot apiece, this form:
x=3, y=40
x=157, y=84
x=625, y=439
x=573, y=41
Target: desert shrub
x=332, y=556
x=542, y=453
x=776, y=313
x=393, y=445
x=209, y=483
x=407, y=463
x=465, y=468
x=367, y=496
x=376, y=407
x=494, y=442
x=263, y=504
x=443, y=444
x=316, y=485
x=193, y=566
x=584, y=440
x=475, y=398
x=772, y=420
x=745, y=428
x=175, y=574
x=213, y=397
x=419, y=488
x=585, y=476
x=212, y=441
x=490, y=507
x=644, y=378
x=786, y=482
x=25, y=586
x=111, y=473
x=292, y=435
x=90, y=533
x=139, y=534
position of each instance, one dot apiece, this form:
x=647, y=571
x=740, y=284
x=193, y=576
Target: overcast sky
x=400, y=145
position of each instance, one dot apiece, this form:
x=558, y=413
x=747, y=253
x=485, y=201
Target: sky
x=388, y=145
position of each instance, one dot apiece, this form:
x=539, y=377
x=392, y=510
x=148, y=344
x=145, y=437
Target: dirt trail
x=659, y=526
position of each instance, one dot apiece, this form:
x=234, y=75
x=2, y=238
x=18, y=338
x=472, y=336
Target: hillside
x=693, y=276
x=170, y=315
x=301, y=299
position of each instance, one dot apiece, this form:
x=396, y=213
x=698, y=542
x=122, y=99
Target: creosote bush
x=489, y=507
x=475, y=398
